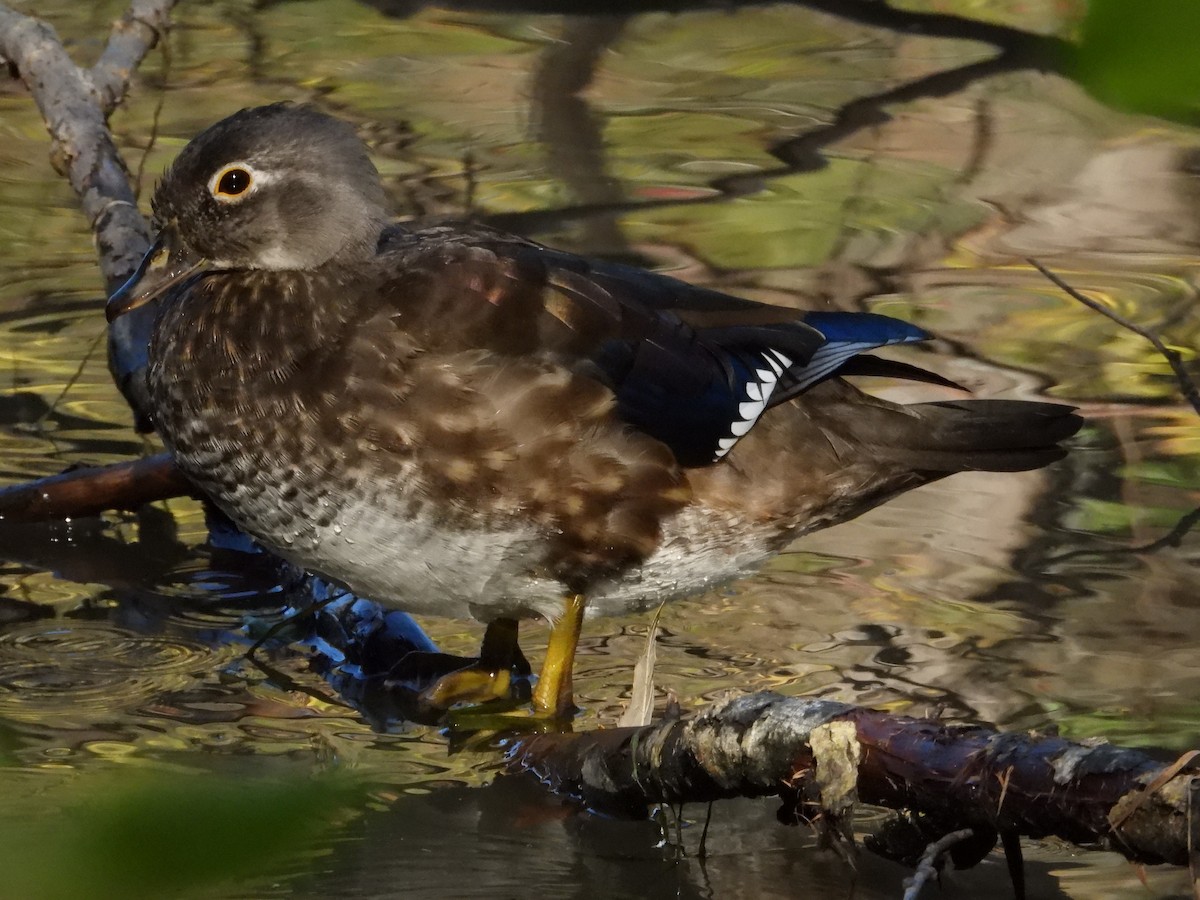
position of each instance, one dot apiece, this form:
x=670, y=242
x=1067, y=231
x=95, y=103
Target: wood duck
x=460, y=422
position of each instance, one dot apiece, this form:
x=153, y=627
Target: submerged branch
x=949, y=777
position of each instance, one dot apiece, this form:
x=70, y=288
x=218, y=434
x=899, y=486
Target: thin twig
x=307, y=612
x=702, y=854
x=138, y=178
x=1014, y=859
x=928, y=866
x=73, y=380
x=1003, y=778
x=1173, y=538
x=286, y=683
x=1193, y=815
x=1186, y=385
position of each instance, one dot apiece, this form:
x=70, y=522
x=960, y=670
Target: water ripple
x=52, y=671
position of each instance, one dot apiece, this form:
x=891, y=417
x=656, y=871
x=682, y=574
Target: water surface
x=1021, y=600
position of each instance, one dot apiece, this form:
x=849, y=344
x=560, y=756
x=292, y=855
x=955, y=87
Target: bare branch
x=134, y=35
x=75, y=105
x=81, y=145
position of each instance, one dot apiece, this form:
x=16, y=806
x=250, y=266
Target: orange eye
x=233, y=182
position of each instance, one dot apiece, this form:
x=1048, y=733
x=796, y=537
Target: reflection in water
x=749, y=853
x=992, y=597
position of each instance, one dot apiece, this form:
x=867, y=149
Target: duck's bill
x=158, y=272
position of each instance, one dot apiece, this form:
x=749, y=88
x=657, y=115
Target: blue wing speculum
x=773, y=377
x=847, y=335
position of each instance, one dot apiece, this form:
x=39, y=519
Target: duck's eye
x=231, y=183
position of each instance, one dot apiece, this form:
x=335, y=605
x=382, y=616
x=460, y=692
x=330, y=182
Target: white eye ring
x=235, y=182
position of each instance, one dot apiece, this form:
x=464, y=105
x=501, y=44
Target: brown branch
x=952, y=777
x=1173, y=357
x=1193, y=812
x=88, y=491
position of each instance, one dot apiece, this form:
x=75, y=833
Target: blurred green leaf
x=1141, y=57
x=165, y=835
x=1157, y=726
x=1112, y=517
x=1181, y=473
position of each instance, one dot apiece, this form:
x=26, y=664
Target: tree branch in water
x=92, y=490
x=945, y=777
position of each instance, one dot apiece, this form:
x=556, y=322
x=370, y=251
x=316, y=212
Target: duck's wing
x=694, y=368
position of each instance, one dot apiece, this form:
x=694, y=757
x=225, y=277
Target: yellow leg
x=470, y=685
x=489, y=679
x=554, y=694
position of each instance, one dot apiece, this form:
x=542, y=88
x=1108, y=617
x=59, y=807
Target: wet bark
x=944, y=777
x=94, y=489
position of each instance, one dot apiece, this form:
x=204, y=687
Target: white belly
x=419, y=565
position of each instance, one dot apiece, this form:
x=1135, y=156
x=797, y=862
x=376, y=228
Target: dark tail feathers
x=987, y=435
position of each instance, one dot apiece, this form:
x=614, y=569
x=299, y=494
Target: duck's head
x=280, y=187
